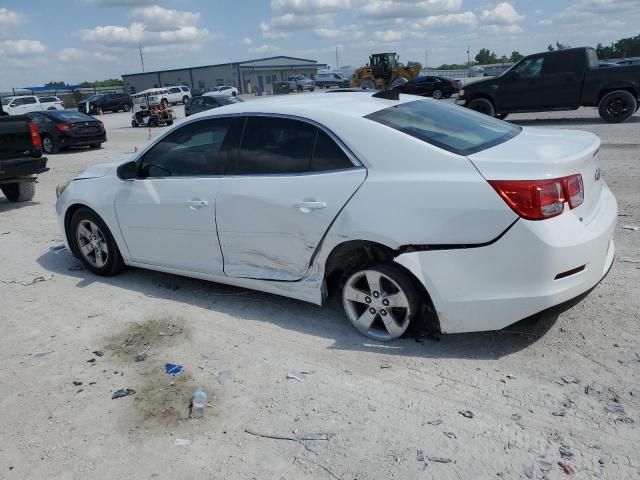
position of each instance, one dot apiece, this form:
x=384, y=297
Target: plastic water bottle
x=198, y=404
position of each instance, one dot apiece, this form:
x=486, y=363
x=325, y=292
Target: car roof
x=316, y=106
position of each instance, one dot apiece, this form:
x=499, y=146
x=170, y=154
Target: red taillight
x=540, y=199
x=64, y=127
x=36, y=141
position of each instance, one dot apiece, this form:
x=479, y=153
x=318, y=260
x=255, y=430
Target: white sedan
x=403, y=208
x=223, y=90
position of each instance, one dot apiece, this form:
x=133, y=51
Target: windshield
x=70, y=116
x=228, y=100
x=93, y=98
x=7, y=100
x=455, y=129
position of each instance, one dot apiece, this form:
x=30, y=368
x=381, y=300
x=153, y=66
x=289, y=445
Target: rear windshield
x=452, y=128
x=70, y=116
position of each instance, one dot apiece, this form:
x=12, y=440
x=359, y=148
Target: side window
x=212, y=102
x=198, y=149
x=29, y=100
x=174, y=90
x=275, y=145
x=561, y=62
x=327, y=155
x=530, y=67
x=198, y=101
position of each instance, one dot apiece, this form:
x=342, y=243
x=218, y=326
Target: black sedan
x=207, y=102
x=429, y=86
x=67, y=128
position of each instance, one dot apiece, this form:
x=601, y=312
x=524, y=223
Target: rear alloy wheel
x=380, y=301
x=19, y=192
x=482, y=105
x=93, y=243
x=48, y=145
x=437, y=94
x=618, y=106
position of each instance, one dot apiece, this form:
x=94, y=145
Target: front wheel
x=126, y=107
x=49, y=146
x=19, y=191
x=380, y=301
x=437, y=94
x=482, y=105
x=618, y=106
x=93, y=243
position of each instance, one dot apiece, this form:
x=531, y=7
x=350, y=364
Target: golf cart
x=149, y=109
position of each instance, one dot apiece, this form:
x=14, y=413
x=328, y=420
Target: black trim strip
x=426, y=248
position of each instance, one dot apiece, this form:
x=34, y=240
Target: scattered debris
x=594, y=389
x=223, y=376
x=182, y=442
x=385, y=365
x=612, y=407
x=511, y=377
x=129, y=341
x=420, y=455
x=76, y=383
x=75, y=268
x=559, y=413
x=565, y=452
x=94, y=315
x=544, y=465
x=295, y=375
x=173, y=369
x=466, y=413
x=41, y=354
x=450, y=435
x=141, y=357
x=439, y=459
x=435, y=423
x=516, y=417
x=570, y=380
x=631, y=227
x=566, y=468
x=38, y=279
x=297, y=438
x=209, y=356
x=528, y=471
x=98, y=353
x=198, y=404
x=91, y=360
x=125, y=392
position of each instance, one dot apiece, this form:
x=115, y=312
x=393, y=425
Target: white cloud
x=9, y=18
x=406, y=8
x=353, y=32
x=71, y=55
x=114, y=35
x=308, y=7
x=246, y=41
x=448, y=20
x=16, y=48
x=265, y=49
x=282, y=26
x=156, y=18
x=502, y=14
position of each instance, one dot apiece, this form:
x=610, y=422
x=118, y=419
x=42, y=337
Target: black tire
x=19, y=191
x=95, y=145
x=234, y=94
x=134, y=124
x=501, y=116
x=617, y=106
x=403, y=279
x=49, y=145
x=437, y=94
x=114, y=263
x=482, y=105
x=185, y=99
x=126, y=107
x=312, y=89
x=169, y=122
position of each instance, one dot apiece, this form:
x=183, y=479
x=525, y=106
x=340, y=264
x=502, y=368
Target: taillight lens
x=64, y=127
x=36, y=141
x=540, y=199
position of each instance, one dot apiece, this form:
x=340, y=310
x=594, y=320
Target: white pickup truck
x=29, y=103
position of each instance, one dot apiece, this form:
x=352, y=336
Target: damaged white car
x=398, y=206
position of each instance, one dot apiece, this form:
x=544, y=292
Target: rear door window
x=455, y=129
x=327, y=155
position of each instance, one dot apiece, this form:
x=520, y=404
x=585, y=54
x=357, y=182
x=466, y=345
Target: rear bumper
x=489, y=288
x=22, y=167
x=82, y=141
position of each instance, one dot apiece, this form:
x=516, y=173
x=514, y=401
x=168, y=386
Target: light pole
x=337, y=64
x=468, y=58
x=141, y=57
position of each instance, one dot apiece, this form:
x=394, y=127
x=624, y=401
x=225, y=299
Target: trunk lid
x=540, y=153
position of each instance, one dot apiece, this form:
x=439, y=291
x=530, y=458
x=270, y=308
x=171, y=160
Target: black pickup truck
x=560, y=80
x=20, y=157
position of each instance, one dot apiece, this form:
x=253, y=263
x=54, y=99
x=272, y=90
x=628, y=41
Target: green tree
x=516, y=56
x=486, y=56
x=54, y=84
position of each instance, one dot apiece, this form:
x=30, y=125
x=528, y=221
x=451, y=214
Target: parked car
x=19, y=105
x=560, y=80
x=20, y=157
x=107, y=102
x=430, y=86
x=51, y=103
x=152, y=96
x=478, y=221
x=67, y=128
x=300, y=83
x=331, y=79
x=180, y=94
x=629, y=61
x=225, y=90
x=207, y=102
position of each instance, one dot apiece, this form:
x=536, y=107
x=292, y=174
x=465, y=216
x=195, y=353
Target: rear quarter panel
x=598, y=80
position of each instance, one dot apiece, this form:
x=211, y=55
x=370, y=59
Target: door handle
x=195, y=204
x=306, y=207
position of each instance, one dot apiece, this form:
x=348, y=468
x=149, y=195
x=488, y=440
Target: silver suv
x=300, y=83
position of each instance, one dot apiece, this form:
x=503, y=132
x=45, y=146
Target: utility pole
x=141, y=57
x=426, y=59
x=337, y=64
x=468, y=57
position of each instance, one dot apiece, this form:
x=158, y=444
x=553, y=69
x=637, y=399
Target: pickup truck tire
x=19, y=191
x=617, y=106
x=88, y=234
x=49, y=145
x=482, y=105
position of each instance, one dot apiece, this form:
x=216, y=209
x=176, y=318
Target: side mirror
x=127, y=171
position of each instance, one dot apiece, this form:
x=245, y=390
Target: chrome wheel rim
x=47, y=144
x=437, y=94
x=92, y=243
x=376, y=305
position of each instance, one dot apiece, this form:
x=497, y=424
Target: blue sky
x=75, y=40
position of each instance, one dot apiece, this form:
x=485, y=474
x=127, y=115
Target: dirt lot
x=571, y=380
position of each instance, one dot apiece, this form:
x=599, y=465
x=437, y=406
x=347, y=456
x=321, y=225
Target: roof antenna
x=388, y=94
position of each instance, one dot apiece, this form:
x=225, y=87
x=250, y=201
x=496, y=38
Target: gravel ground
x=389, y=411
